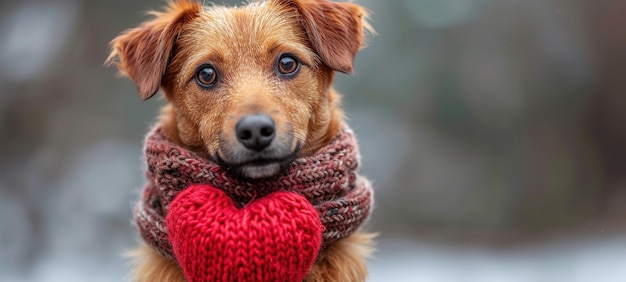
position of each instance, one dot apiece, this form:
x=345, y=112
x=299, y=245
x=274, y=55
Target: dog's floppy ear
x=335, y=30
x=144, y=52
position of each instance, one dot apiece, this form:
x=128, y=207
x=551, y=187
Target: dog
x=244, y=84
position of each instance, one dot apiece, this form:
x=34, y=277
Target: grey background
x=493, y=131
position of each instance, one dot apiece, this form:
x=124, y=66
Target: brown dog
x=249, y=83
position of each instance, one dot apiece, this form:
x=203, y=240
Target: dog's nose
x=256, y=132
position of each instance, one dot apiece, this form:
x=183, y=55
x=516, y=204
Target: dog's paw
x=275, y=238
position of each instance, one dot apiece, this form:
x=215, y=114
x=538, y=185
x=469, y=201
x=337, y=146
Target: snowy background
x=492, y=129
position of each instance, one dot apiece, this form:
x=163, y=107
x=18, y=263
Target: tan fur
x=341, y=261
x=244, y=44
x=144, y=51
x=344, y=260
x=149, y=266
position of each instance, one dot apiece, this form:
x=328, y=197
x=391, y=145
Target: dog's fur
x=244, y=46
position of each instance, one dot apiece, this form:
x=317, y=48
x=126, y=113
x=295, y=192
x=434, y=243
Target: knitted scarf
x=327, y=179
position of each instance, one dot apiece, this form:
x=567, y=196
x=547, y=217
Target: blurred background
x=493, y=131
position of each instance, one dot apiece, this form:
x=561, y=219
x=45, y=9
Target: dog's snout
x=255, y=132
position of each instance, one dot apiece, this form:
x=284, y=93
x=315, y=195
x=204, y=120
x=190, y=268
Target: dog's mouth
x=258, y=165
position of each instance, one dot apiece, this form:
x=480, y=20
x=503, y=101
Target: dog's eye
x=207, y=76
x=288, y=65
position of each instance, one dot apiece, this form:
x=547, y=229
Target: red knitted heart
x=275, y=238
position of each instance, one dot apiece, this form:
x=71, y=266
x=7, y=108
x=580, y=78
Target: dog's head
x=249, y=87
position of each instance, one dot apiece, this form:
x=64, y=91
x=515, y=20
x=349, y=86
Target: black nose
x=256, y=132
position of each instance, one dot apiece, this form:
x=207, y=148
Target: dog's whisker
x=304, y=143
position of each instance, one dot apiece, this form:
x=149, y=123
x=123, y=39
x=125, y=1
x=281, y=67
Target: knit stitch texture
x=275, y=238
x=327, y=180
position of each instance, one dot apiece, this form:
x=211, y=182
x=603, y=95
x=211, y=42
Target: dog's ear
x=143, y=52
x=335, y=30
